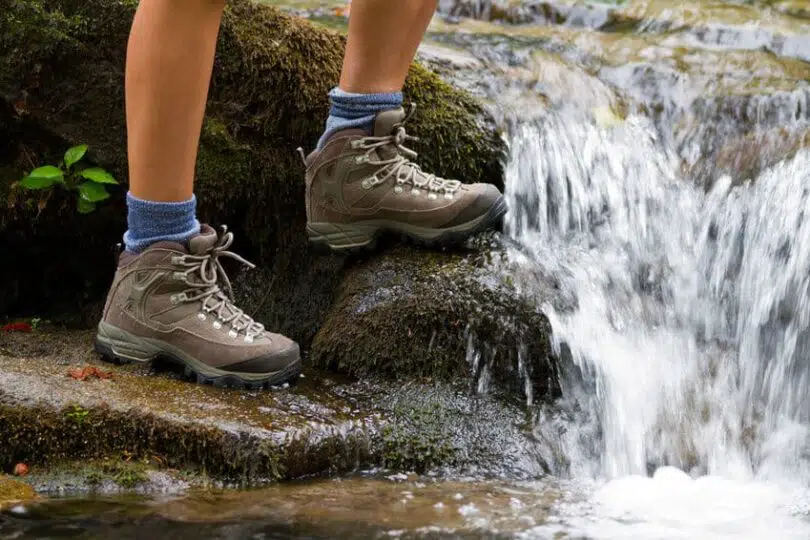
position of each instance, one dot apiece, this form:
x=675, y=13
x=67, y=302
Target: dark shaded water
x=397, y=506
x=125, y=519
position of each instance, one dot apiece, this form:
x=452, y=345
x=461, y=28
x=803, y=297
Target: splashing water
x=689, y=338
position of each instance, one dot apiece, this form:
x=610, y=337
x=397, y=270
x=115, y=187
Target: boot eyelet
x=248, y=339
x=361, y=159
x=233, y=334
x=398, y=190
x=201, y=316
x=432, y=197
x=174, y=300
x=448, y=196
x=415, y=192
x=366, y=184
x=217, y=325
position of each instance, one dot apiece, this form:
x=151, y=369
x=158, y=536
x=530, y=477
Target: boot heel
x=342, y=237
x=120, y=347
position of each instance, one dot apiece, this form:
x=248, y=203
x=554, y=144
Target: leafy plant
x=89, y=183
x=78, y=414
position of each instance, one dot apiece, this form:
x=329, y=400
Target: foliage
x=78, y=414
x=89, y=183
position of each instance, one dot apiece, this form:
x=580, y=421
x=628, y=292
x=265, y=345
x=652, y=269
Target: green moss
x=130, y=478
x=77, y=415
x=46, y=436
x=416, y=440
x=125, y=474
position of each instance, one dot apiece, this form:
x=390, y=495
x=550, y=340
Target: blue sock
x=151, y=222
x=356, y=111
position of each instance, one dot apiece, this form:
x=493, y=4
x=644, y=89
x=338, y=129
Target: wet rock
x=113, y=476
x=746, y=157
x=149, y=431
x=48, y=418
x=61, y=83
x=410, y=313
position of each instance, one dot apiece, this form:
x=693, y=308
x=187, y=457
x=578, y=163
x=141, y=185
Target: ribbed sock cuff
x=358, y=111
x=151, y=221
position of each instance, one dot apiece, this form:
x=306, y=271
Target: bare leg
x=169, y=63
x=383, y=38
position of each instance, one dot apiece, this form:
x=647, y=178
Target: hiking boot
x=167, y=302
x=358, y=186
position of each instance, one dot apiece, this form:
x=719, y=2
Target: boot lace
x=400, y=166
x=203, y=274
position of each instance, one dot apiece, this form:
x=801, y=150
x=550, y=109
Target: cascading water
x=690, y=330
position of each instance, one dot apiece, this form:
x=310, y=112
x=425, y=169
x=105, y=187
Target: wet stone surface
x=145, y=429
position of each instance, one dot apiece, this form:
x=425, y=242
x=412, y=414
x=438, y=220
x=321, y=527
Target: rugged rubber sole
x=362, y=236
x=120, y=347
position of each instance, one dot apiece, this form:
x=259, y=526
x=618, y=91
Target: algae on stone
x=14, y=491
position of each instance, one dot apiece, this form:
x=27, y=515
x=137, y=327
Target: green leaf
x=84, y=207
x=43, y=177
x=92, y=192
x=98, y=175
x=48, y=171
x=74, y=155
x=32, y=182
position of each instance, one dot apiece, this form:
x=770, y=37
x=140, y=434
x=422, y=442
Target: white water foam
x=689, y=334
x=670, y=505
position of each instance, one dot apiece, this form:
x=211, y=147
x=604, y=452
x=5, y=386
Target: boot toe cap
x=281, y=354
x=486, y=198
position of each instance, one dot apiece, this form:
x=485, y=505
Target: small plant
x=87, y=182
x=78, y=414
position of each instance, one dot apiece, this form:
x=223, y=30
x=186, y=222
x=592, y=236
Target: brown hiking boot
x=167, y=302
x=359, y=186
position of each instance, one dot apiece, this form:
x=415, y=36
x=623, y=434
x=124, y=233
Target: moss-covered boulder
x=410, y=313
x=61, y=83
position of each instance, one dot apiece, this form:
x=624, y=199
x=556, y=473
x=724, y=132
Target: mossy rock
x=142, y=428
x=61, y=83
x=13, y=491
x=410, y=313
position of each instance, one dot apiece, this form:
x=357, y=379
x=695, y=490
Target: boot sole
x=362, y=236
x=120, y=347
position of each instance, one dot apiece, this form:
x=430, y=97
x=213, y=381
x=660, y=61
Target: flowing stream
x=688, y=342
x=685, y=408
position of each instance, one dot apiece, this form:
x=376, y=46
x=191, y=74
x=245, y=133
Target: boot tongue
x=384, y=126
x=200, y=244
x=386, y=121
